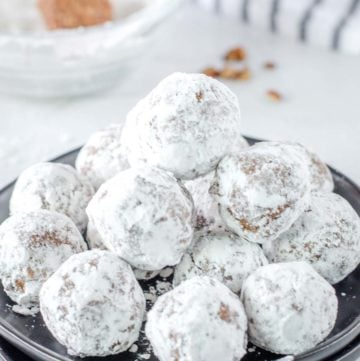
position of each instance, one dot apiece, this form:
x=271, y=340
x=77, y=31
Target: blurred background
x=294, y=66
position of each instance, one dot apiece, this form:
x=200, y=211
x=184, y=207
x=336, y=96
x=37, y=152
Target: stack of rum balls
x=255, y=234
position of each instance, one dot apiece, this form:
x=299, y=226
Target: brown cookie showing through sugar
x=93, y=304
x=290, y=307
x=262, y=190
x=327, y=235
x=32, y=246
x=199, y=320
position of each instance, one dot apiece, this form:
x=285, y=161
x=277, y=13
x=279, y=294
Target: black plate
x=30, y=335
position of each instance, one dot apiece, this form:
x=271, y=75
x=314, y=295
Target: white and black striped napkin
x=332, y=24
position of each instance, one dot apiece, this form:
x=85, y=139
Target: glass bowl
x=78, y=61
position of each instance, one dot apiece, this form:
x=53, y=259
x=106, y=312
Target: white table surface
x=321, y=110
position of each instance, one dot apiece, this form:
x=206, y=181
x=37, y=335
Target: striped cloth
x=333, y=24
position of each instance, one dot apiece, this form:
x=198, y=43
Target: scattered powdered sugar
x=153, y=292
x=25, y=310
x=144, y=347
x=143, y=356
x=163, y=287
x=134, y=348
x=166, y=272
x=286, y=358
x=150, y=296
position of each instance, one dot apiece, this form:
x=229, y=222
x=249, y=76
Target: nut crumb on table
x=211, y=71
x=235, y=74
x=228, y=73
x=236, y=54
x=274, y=95
x=269, y=65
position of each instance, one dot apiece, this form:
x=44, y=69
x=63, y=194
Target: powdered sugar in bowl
x=42, y=63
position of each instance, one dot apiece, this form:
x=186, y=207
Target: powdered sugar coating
x=55, y=187
x=103, y=156
x=290, y=307
x=262, y=190
x=185, y=125
x=145, y=216
x=327, y=236
x=93, y=237
x=200, y=320
x=321, y=178
x=223, y=256
x=206, y=207
x=95, y=242
x=93, y=304
x=32, y=246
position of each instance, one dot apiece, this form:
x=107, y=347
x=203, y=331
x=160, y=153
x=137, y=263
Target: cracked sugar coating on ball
x=32, y=246
x=200, y=320
x=95, y=242
x=103, y=156
x=145, y=216
x=327, y=236
x=223, y=256
x=185, y=125
x=290, y=307
x=55, y=187
x=262, y=190
x=93, y=304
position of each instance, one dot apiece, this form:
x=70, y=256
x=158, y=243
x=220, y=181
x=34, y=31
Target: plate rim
x=324, y=349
